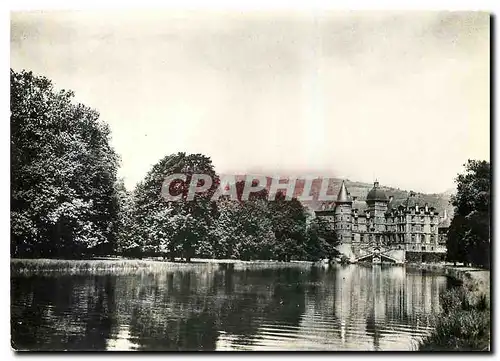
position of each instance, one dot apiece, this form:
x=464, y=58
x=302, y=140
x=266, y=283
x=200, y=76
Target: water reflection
x=344, y=308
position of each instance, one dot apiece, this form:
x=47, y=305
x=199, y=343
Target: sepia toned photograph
x=188, y=180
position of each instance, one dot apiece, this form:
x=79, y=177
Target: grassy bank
x=465, y=321
x=122, y=265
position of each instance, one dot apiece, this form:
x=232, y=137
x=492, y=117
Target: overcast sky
x=402, y=97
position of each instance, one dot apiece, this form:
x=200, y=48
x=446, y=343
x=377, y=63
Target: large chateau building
x=375, y=230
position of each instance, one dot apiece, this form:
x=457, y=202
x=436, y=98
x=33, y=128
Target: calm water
x=296, y=308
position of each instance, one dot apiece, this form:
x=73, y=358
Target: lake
x=296, y=307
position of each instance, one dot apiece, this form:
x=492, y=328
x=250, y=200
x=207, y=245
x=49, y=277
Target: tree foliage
x=255, y=229
x=63, y=171
x=126, y=244
x=321, y=240
x=175, y=228
x=469, y=234
x=243, y=229
x=289, y=220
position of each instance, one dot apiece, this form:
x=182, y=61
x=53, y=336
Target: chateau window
x=423, y=248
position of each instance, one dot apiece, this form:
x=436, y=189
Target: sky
x=402, y=97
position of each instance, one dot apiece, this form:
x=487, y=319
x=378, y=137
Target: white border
x=297, y=5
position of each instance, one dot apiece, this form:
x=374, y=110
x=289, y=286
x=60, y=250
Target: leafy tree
x=469, y=233
x=289, y=226
x=456, y=249
x=321, y=240
x=262, y=229
x=175, y=228
x=226, y=231
x=244, y=229
x=63, y=172
x=126, y=242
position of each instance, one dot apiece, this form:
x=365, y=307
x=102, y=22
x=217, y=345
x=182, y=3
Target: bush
x=464, y=324
x=455, y=299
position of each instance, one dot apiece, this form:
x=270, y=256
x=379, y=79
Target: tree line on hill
x=67, y=202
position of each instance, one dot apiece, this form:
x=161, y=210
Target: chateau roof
x=361, y=206
x=413, y=200
x=377, y=194
x=343, y=196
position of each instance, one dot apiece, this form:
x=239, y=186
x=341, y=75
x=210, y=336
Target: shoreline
x=465, y=324
x=474, y=279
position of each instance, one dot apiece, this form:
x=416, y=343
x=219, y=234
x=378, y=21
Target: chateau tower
x=342, y=215
x=377, y=202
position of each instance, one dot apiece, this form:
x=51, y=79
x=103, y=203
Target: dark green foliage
x=231, y=229
x=465, y=324
x=455, y=299
x=126, y=244
x=321, y=240
x=174, y=228
x=288, y=219
x=262, y=229
x=244, y=230
x=63, y=172
x=469, y=233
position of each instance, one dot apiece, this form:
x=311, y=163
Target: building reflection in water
x=378, y=307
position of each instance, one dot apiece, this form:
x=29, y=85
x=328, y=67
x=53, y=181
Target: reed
x=464, y=325
x=22, y=266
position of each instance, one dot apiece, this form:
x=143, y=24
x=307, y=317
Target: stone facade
x=373, y=230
